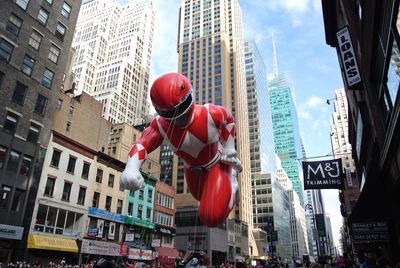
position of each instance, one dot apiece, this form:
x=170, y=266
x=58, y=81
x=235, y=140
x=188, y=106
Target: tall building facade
x=35, y=41
x=113, y=54
x=341, y=148
x=210, y=47
x=286, y=129
x=262, y=147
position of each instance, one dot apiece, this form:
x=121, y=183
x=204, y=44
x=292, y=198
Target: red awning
x=167, y=252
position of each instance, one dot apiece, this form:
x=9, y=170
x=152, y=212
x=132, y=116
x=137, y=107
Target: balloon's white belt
x=208, y=166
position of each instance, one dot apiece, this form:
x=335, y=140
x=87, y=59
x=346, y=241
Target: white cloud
x=314, y=101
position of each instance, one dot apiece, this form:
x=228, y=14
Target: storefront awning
x=37, y=241
x=167, y=252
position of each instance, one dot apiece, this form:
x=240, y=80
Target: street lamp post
x=310, y=207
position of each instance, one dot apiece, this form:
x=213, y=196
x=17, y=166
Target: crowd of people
x=201, y=260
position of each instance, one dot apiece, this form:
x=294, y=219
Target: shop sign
x=129, y=237
x=156, y=243
x=165, y=230
x=323, y=174
x=100, y=248
x=140, y=254
x=139, y=222
x=370, y=232
x=92, y=232
x=348, y=57
x=106, y=215
x=11, y=232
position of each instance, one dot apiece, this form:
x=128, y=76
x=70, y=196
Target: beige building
x=122, y=137
x=211, y=55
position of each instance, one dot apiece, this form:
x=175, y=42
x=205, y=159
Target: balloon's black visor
x=178, y=110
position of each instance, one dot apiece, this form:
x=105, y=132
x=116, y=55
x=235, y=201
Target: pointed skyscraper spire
x=274, y=59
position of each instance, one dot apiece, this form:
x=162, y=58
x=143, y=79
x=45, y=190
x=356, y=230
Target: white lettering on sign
x=348, y=57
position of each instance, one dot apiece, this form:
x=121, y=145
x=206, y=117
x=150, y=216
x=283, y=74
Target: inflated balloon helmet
x=172, y=97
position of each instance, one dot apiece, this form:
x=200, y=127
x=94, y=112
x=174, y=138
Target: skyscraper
x=210, y=48
x=262, y=147
x=286, y=129
x=35, y=42
x=113, y=54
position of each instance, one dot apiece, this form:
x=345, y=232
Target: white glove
x=229, y=156
x=131, y=179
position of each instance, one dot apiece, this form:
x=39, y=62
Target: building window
x=66, y=10
x=150, y=196
x=54, y=53
x=85, y=170
x=108, y=203
x=393, y=75
x=68, y=126
x=140, y=210
x=130, y=209
x=47, y=78
x=27, y=65
x=14, y=25
x=6, y=50
x=3, y=152
x=19, y=93
x=60, y=31
x=71, y=164
x=18, y=200
x=55, y=159
x=111, y=180
x=43, y=16
x=81, y=195
x=96, y=200
x=13, y=161
x=141, y=194
x=119, y=206
x=179, y=188
x=5, y=195
x=50, y=2
x=22, y=4
x=10, y=124
x=1, y=78
x=41, y=103
x=49, y=188
x=33, y=134
x=99, y=175
x=35, y=39
x=66, y=194
x=148, y=213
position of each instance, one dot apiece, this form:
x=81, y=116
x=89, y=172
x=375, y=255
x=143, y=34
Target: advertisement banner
x=100, y=228
x=323, y=174
x=111, y=231
x=140, y=254
x=100, y=248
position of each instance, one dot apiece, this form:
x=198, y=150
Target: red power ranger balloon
x=202, y=136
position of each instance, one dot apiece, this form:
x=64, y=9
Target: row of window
x=66, y=8
x=6, y=50
x=16, y=162
x=139, y=211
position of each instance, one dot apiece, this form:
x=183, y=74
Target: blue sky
x=301, y=51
